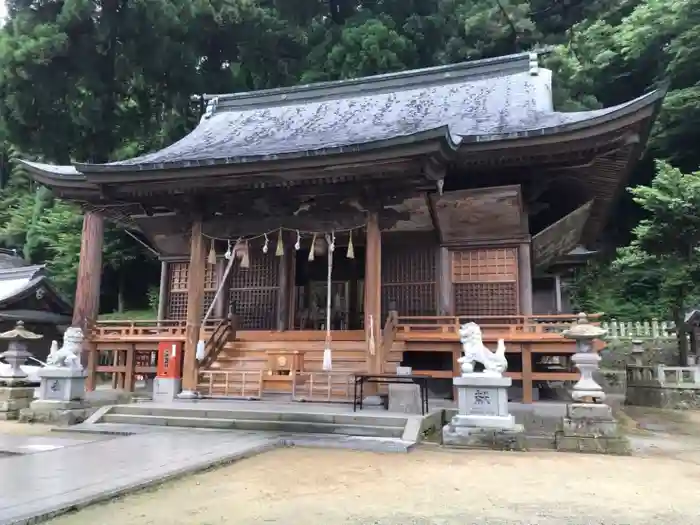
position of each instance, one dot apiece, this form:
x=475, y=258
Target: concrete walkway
x=39, y=485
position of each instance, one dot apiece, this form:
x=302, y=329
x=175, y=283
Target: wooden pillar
x=163, y=291
x=527, y=373
x=444, y=289
x=373, y=288
x=195, y=307
x=87, y=293
x=283, y=271
x=557, y=293
x=220, y=309
x=525, y=278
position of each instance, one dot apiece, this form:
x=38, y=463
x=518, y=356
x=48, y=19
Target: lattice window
x=179, y=279
x=254, y=292
x=408, y=279
x=489, y=299
x=485, y=281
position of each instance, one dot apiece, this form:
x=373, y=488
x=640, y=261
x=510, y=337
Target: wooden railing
x=537, y=326
x=224, y=332
x=144, y=330
x=123, y=364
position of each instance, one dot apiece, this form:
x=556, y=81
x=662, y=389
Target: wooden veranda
x=119, y=351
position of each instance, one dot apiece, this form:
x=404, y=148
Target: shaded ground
x=320, y=487
x=663, y=433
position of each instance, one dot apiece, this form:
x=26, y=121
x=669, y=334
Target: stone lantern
x=16, y=353
x=15, y=391
x=637, y=352
x=586, y=390
x=589, y=425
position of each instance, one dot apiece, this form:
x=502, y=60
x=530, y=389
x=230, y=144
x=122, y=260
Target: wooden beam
x=163, y=291
x=87, y=294
x=525, y=278
x=195, y=308
x=373, y=285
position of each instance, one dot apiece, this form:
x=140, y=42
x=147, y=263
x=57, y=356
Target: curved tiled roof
x=485, y=100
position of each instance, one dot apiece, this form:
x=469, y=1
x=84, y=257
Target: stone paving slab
x=35, y=487
x=20, y=444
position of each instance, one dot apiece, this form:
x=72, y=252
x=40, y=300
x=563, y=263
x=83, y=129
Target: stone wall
x=663, y=397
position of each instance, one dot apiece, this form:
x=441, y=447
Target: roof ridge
x=397, y=81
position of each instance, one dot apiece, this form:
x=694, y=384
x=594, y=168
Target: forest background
x=84, y=80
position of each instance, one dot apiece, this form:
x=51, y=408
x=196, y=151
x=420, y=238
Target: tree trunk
x=681, y=336
x=120, y=292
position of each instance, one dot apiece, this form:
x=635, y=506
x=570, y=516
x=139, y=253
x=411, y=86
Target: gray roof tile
x=493, y=99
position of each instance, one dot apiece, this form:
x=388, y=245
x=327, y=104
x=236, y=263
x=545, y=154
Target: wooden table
x=361, y=379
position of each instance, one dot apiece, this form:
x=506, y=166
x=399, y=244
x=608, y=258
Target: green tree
x=667, y=242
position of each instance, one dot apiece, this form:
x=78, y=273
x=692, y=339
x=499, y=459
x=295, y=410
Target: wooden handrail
x=224, y=332
x=506, y=325
x=389, y=332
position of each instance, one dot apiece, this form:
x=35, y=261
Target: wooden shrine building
x=442, y=190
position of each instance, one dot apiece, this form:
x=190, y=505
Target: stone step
x=270, y=425
x=352, y=418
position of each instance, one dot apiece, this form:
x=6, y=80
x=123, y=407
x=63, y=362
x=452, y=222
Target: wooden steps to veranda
x=240, y=369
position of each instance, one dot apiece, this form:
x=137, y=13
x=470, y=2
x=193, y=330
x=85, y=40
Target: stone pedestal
x=589, y=427
x=483, y=419
x=13, y=399
x=166, y=389
x=62, y=385
x=404, y=398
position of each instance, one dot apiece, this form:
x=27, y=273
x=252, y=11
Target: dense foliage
x=98, y=80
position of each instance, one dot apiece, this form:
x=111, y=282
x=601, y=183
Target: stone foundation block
x=592, y=428
x=593, y=445
x=597, y=412
x=16, y=392
x=494, y=439
x=13, y=405
x=14, y=399
x=61, y=418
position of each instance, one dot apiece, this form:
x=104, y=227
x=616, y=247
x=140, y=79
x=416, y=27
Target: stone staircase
x=291, y=421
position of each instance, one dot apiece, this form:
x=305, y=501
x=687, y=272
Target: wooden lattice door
x=254, y=291
x=485, y=281
x=178, y=280
x=408, y=279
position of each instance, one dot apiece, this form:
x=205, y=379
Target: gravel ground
x=428, y=486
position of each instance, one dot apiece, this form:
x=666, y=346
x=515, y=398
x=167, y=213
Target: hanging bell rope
x=327, y=356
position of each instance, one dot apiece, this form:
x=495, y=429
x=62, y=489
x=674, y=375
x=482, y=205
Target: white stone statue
x=67, y=356
x=475, y=351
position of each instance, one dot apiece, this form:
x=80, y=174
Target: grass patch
x=130, y=315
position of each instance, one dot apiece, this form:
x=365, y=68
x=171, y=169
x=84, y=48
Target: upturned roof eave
x=87, y=176
x=440, y=135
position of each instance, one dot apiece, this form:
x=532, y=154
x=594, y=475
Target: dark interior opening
x=347, y=290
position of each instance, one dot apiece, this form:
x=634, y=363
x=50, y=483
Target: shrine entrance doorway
x=347, y=290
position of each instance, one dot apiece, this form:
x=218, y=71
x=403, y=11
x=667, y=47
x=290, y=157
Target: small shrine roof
x=17, y=282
